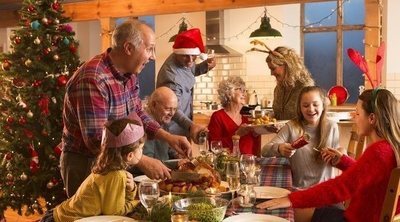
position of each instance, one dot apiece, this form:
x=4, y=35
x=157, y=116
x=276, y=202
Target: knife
x=185, y=176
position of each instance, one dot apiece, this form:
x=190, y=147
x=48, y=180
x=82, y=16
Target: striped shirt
x=96, y=93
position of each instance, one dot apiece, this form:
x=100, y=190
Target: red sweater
x=222, y=127
x=364, y=182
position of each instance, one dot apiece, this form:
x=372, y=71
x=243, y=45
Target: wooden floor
x=13, y=216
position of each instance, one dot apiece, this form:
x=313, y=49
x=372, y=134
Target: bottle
x=333, y=99
x=235, y=147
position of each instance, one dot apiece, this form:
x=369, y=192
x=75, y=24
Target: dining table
x=275, y=172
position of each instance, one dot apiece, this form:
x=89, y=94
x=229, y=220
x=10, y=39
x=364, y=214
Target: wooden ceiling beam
x=97, y=9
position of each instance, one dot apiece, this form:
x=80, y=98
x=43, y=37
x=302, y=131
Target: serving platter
x=245, y=217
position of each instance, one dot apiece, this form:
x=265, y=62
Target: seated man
x=161, y=107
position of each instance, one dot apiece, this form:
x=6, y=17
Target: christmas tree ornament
x=17, y=40
x=62, y=80
x=9, y=177
x=22, y=120
x=22, y=104
x=37, y=83
x=5, y=65
x=54, y=100
x=66, y=41
x=56, y=57
x=29, y=114
x=72, y=48
x=23, y=177
x=45, y=133
x=43, y=104
x=10, y=120
x=55, y=5
x=34, y=163
x=39, y=2
x=9, y=156
x=45, y=21
x=50, y=185
x=28, y=62
x=31, y=8
x=36, y=41
x=46, y=51
x=28, y=133
x=56, y=21
x=65, y=71
x=18, y=82
x=35, y=25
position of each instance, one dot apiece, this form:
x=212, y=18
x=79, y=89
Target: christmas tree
x=33, y=77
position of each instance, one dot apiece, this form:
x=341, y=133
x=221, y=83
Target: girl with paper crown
x=109, y=189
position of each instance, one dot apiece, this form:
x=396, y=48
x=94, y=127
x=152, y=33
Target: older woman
x=228, y=121
x=291, y=76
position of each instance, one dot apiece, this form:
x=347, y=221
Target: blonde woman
x=291, y=76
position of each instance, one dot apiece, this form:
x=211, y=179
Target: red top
x=222, y=127
x=364, y=182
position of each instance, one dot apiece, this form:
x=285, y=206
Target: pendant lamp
x=182, y=27
x=265, y=30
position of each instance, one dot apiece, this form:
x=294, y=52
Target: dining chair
x=391, y=198
x=356, y=144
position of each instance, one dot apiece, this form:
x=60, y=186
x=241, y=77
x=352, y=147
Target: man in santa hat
x=178, y=73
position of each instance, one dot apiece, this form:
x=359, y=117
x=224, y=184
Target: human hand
x=195, y=129
x=282, y=202
x=244, y=129
x=153, y=168
x=331, y=156
x=180, y=144
x=286, y=150
x=130, y=184
x=211, y=63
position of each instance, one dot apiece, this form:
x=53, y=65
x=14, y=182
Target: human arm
x=204, y=67
x=279, y=145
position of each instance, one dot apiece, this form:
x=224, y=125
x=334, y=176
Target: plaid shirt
x=96, y=93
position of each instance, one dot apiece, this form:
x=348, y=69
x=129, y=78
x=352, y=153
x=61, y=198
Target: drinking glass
x=233, y=176
x=149, y=193
x=216, y=146
x=248, y=165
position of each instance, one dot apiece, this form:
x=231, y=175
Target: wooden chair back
x=392, y=196
x=356, y=144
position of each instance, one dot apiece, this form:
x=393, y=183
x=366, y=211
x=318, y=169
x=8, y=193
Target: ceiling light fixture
x=265, y=30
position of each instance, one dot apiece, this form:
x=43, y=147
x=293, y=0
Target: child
x=109, y=189
x=364, y=181
x=308, y=168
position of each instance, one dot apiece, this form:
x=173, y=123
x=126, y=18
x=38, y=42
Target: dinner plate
x=140, y=178
x=266, y=128
x=106, y=218
x=267, y=192
x=244, y=217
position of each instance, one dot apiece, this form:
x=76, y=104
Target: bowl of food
x=205, y=209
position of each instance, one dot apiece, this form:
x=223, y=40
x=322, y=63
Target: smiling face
x=165, y=110
x=311, y=106
x=363, y=120
x=239, y=95
x=187, y=61
x=138, y=57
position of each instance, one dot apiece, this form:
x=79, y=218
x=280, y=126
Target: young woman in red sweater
x=363, y=181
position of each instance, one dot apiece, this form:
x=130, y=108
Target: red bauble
x=45, y=133
x=37, y=83
x=62, y=80
x=10, y=120
x=55, y=5
x=22, y=120
x=31, y=8
x=46, y=51
x=28, y=133
x=33, y=166
x=9, y=156
x=17, y=40
x=72, y=48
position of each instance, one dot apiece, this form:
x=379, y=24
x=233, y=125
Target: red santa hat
x=189, y=43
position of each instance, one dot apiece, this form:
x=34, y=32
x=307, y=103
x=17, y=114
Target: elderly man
x=161, y=107
x=106, y=88
x=178, y=73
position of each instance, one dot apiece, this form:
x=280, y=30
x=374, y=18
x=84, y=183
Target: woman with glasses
x=291, y=76
x=228, y=121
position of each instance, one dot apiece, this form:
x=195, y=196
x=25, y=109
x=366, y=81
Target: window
x=325, y=43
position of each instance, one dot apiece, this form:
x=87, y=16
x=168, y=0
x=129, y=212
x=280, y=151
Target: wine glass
x=233, y=176
x=216, y=146
x=248, y=165
x=149, y=193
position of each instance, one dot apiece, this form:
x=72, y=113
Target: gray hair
x=225, y=88
x=128, y=31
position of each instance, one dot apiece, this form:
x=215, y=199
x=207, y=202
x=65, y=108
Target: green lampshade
x=182, y=27
x=265, y=30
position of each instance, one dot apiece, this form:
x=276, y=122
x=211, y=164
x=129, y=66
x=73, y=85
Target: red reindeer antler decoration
x=360, y=62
